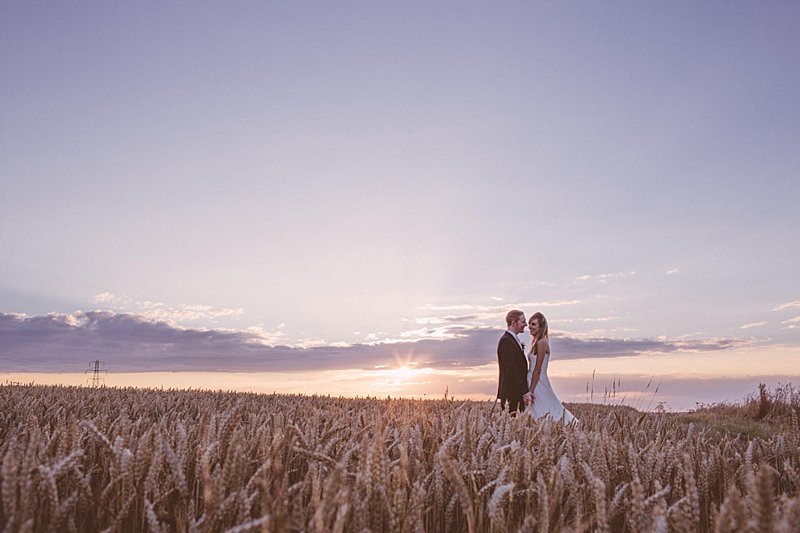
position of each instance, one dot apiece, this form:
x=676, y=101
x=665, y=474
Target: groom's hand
x=527, y=398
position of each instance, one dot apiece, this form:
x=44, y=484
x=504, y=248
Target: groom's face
x=519, y=325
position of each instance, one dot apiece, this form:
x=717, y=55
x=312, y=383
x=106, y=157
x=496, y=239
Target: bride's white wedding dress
x=545, y=401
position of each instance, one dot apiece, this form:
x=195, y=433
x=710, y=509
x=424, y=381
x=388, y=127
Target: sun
x=403, y=373
x=405, y=369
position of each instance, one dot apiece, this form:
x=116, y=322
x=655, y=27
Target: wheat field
x=80, y=459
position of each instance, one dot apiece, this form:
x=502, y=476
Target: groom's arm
x=506, y=351
x=504, y=364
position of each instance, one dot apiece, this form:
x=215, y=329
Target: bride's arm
x=541, y=349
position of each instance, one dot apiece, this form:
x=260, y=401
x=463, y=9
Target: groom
x=513, y=365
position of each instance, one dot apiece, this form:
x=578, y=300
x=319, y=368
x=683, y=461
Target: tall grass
x=75, y=459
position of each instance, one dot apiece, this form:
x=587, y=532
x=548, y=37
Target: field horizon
x=640, y=392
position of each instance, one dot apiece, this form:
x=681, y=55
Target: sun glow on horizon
x=404, y=373
x=405, y=369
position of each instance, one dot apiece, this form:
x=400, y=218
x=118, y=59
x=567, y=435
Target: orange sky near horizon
x=683, y=379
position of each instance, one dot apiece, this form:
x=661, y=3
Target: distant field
x=79, y=459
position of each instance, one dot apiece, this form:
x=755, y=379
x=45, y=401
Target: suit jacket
x=513, y=381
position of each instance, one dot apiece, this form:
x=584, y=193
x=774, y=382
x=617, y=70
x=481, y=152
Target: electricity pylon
x=96, y=379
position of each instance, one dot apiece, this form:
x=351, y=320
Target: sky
x=347, y=197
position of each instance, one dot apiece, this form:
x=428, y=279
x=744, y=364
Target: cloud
x=602, y=278
x=454, y=331
x=174, y=313
x=793, y=323
x=549, y=303
x=753, y=325
x=103, y=298
x=456, y=307
x=495, y=309
x=589, y=319
x=484, y=314
x=447, y=319
x=268, y=337
x=187, y=312
x=673, y=271
x=135, y=342
x=788, y=305
x=576, y=348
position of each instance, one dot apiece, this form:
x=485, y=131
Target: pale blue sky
x=342, y=172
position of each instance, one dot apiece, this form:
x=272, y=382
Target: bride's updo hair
x=543, y=331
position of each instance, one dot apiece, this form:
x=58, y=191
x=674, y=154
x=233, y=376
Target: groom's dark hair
x=513, y=316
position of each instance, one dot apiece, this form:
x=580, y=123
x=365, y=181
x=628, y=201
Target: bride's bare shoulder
x=544, y=344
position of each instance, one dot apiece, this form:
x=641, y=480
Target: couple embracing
x=523, y=380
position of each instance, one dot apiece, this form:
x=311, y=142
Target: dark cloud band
x=132, y=343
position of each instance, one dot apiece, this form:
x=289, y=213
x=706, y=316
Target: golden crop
x=77, y=459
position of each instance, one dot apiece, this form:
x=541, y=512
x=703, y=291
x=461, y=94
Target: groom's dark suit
x=513, y=373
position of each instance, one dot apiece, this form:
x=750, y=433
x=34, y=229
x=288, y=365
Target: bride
x=541, y=399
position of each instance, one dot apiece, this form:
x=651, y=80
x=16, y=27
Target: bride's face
x=534, y=326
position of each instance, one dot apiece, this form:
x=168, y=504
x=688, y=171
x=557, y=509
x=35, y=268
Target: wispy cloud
x=430, y=333
x=580, y=348
x=793, y=323
x=473, y=315
x=788, y=305
x=589, y=319
x=455, y=307
x=595, y=333
x=673, y=271
x=494, y=310
x=447, y=319
x=753, y=325
x=174, y=313
x=602, y=278
x=706, y=345
x=104, y=298
x=549, y=303
x=268, y=337
x=135, y=342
